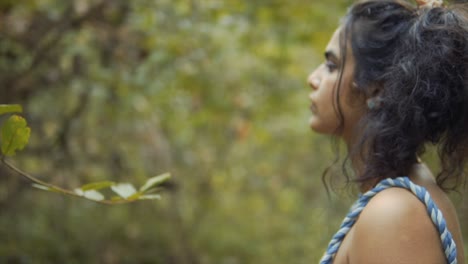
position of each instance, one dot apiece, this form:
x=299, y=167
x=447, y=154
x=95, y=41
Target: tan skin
x=394, y=227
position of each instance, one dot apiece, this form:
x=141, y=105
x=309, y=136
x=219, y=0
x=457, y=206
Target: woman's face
x=323, y=82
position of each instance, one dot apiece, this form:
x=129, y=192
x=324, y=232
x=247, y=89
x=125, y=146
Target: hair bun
x=429, y=3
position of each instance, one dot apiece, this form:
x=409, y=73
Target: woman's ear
x=375, y=100
x=373, y=97
x=374, y=90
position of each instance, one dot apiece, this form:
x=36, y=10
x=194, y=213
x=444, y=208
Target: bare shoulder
x=394, y=227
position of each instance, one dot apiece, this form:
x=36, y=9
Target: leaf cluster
x=14, y=135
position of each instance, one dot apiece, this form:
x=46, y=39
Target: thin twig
x=59, y=189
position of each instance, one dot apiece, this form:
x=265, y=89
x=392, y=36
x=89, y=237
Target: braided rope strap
x=403, y=182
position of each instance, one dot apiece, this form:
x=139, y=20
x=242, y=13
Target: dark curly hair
x=414, y=62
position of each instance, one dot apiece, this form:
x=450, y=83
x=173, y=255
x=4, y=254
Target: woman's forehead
x=333, y=45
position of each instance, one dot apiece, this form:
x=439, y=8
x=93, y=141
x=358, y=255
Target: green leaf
x=135, y=196
x=14, y=135
x=90, y=194
x=79, y=191
x=97, y=185
x=153, y=181
x=124, y=190
x=149, y=197
x=42, y=187
x=94, y=195
x=10, y=108
x=46, y=188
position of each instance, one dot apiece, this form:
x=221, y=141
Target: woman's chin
x=319, y=127
x=314, y=124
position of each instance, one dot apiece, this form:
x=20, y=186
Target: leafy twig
x=134, y=197
x=14, y=134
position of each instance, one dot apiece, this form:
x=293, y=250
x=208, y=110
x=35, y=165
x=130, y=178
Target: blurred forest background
x=212, y=91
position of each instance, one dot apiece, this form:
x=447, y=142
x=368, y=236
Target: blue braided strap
x=437, y=218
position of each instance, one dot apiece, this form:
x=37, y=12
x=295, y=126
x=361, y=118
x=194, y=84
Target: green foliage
x=5, y=109
x=46, y=188
x=90, y=194
x=14, y=135
x=97, y=185
x=153, y=182
x=126, y=191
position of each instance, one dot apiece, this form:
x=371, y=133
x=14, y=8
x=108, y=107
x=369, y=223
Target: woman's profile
x=395, y=78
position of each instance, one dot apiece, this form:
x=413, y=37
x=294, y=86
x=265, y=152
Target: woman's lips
x=313, y=107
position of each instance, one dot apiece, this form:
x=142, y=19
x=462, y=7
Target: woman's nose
x=313, y=80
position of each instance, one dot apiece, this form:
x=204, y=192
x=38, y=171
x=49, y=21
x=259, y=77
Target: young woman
x=395, y=78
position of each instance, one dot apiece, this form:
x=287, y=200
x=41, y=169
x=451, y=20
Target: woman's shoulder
x=395, y=227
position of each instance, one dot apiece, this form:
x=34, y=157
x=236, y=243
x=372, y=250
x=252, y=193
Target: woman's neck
x=357, y=163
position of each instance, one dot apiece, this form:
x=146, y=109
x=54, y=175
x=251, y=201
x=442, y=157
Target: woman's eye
x=331, y=66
